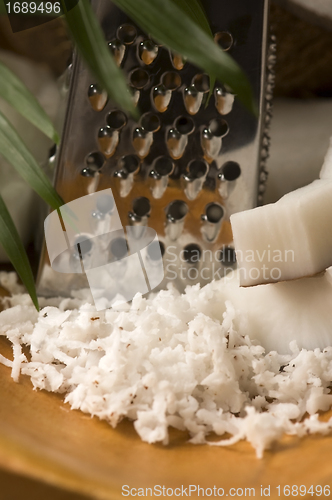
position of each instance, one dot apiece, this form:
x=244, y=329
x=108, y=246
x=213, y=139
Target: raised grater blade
x=185, y=167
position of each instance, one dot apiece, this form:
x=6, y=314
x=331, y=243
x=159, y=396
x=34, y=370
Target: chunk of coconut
x=277, y=314
x=288, y=239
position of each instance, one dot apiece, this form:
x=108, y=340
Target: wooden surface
x=42, y=438
x=15, y=487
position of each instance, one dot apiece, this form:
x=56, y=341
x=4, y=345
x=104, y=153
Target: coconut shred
x=169, y=360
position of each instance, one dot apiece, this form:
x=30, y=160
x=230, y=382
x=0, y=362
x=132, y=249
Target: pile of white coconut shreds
x=169, y=360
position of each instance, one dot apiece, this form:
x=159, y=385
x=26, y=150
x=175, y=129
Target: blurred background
x=300, y=132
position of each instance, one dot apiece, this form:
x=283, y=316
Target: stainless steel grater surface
x=185, y=167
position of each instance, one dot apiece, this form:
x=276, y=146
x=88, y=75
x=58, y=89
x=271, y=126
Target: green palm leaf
x=195, y=11
x=19, y=97
x=10, y=240
x=16, y=153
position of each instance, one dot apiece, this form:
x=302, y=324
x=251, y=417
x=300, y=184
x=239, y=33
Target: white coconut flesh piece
x=289, y=239
x=279, y=313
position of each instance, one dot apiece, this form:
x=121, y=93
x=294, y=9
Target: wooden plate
x=42, y=438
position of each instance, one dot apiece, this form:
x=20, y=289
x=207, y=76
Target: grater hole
x=126, y=34
x=83, y=244
x=149, y=45
x=201, y=83
x=97, y=97
x=88, y=172
x=224, y=100
x=105, y=203
x=117, y=50
x=139, y=78
x=191, y=91
x=52, y=152
x=147, y=51
x=116, y=120
x=214, y=213
x=130, y=163
x=158, y=44
x=197, y=169
x=94, y=89
x=94, y=161
x=184, y=125
x=163, y=166
x=219, y=127
x=155, y=249
x=220, y=91
x=119, y=248
x=227, y=256
x=105, y=132
x=177, y=210
x=150, y=122
x=192, y=253
x=171, y=80
x=115, y=45
x=141, y=207
x=161, y=97
x=231, y=171
x=224, y=39
x=178, y=61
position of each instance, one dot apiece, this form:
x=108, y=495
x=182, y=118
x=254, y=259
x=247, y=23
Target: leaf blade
x=167, y=23
x=10, y=240
x=13, y=149
x=196, y=12
x=194, y=9
x=90, y=41
x=13, y=90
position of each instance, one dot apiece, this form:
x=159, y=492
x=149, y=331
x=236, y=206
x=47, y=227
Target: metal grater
x=185, y=167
